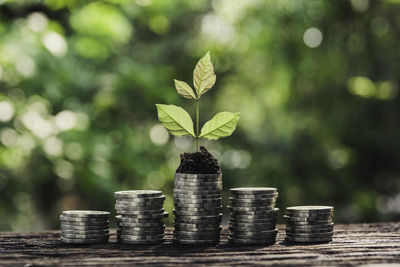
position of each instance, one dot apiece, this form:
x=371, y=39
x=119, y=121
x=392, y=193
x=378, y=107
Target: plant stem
x=197, y=125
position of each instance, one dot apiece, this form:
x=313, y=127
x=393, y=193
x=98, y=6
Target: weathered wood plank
x=352, y=245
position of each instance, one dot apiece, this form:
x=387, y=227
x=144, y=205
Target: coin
x=89, y=236
x=195, y=241
x=250, y=205
x=251, y=225
x=86, y=214
x=307, y=219
x=308, y=240
x=143, y=224
x=216, y=220
x=142, y=242
x=195, y=196
x=84, y=241
x=82, y=227
x=196, y=205
x=310, y=226
x=134, y=211
x=198, y=201
x=140, y=205
x=309, y=235
x=137, y=194
x=126, y=231
x=200, y=209
x=84, y=232
x=179, y=227
x=83, y=219
x=297, y=223
x=309, y=209
x=141, y=237
x=141, y=213
x=184, y=192
x=197, y=183
x=303, y=231
x=198, y=177
x=252, y=190
x=249, y=241
x=196, y=214
x=253, y=234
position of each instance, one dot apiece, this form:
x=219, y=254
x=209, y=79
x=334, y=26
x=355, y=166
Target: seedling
x=179, y=122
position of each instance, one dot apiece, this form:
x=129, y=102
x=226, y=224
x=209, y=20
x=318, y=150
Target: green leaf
x=175, y=119
x=203, y=75
x=184, y=89
x=221, y=125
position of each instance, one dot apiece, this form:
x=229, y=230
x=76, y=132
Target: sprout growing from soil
x=179, y=122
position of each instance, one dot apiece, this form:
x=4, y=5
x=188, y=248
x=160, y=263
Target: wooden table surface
x=353, y=244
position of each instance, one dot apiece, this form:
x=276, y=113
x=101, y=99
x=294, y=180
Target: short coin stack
x=84, y=226
x=253, y=215
x=197, y=201
x=140, y=216
x=309, y=224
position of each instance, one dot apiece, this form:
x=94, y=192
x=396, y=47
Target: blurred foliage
x=316, y=83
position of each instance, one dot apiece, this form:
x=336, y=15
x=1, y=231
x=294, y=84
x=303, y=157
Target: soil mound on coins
x=201, y=162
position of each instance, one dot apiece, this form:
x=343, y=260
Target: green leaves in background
x=221, y=125
x=184, y=89
x=175, y=119
x=203, y=75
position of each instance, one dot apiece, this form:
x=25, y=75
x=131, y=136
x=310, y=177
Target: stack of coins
x=84, y=226
x=309, y=224
x=253, y=215
x=140, y=216
x=197, y=200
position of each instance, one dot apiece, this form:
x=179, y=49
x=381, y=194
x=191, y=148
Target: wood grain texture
x=353, y=244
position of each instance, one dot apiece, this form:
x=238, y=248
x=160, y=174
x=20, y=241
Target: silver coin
x=132, y=220
x=308, y=240
x=252, y=190
x=252, y=201
x=199, y=209
x=141, y=237
x=216, y=221
x=195, y=196
x=138, y=233
x=140, y=212
x=84, y=241
x=252, y=225
x=83, y=219
x=249, y=241
x=197, y=182
x=84, y=232
x=149, y=217
x=252, y=228
x=158, y=203
x=309, y=231
x=86, y=214
x=294, y=223
x=253, y=217
x=83, y=227
x=143, y=225
x=201, y=205
x=309, y=234
x=195, y=241
x=310, y=227
x=84, y=224
x=309, y=209
x=142, y=242
x=193, y=229
x=209, y=213
x=184, y=192
x=247, y=209
x=307, y=219
x=261, y=214
x=250, y=205
x=197, y=236
x=199, y=189
x=255, y=197
x=89, y=236
x=198, y=177
x=240, y=232
x=137, y=194
x=197, y=201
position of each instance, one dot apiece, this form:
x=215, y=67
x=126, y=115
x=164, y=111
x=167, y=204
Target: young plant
x=179, y=122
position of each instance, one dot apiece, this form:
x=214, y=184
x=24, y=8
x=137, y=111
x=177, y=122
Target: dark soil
x=199, y=162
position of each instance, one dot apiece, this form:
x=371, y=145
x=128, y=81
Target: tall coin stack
x=198, y=207
x=253, y=215
x=140, y=216
x=84, y=226
x=309, y=224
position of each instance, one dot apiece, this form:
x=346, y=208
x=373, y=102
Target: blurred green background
x=316, y=83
